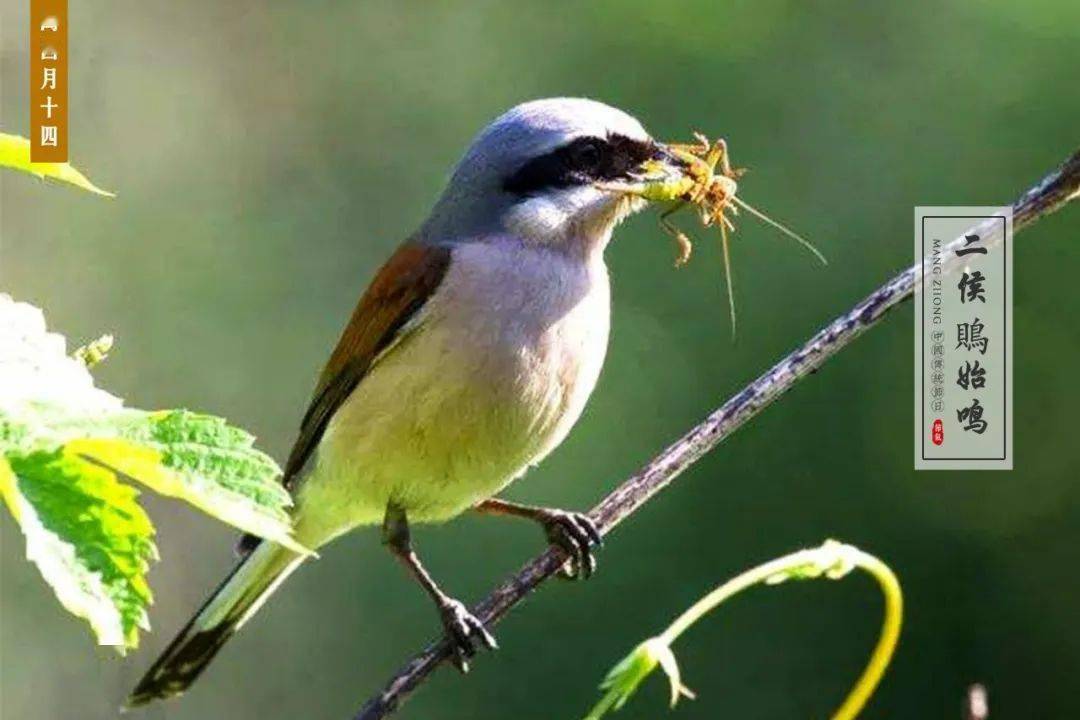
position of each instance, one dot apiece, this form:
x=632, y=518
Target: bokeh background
x=267, y=157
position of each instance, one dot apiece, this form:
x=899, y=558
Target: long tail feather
x=224, y=612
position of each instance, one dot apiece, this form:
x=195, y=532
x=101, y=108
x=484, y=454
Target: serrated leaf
x=160, y=471
x=48, y=401
x=89, y=538
x=15, y=154
x=66, y=446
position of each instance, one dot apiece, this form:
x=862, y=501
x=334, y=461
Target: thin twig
x=1049, y=195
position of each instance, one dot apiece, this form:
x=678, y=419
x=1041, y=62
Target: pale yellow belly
x=436, y=434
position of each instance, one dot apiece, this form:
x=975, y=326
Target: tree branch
x=1049, y=195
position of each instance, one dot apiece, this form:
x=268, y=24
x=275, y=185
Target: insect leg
x=681, y=240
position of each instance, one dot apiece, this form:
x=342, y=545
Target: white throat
x=579, y=220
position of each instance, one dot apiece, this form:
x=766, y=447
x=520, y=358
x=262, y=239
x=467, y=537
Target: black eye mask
x=582, y=161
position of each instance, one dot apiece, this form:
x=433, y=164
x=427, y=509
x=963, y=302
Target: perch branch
x=1049, y=195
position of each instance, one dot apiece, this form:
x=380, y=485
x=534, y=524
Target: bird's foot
x=465, y=632
x=576, y=534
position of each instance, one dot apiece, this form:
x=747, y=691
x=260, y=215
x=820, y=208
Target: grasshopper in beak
x=700, y=175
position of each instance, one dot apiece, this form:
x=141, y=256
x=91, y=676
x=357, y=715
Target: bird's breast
x=496, y=372
x=528, y=328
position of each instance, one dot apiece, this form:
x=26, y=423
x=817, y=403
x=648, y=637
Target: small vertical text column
x=48, y=80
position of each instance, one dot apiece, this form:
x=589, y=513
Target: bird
x=468, y=359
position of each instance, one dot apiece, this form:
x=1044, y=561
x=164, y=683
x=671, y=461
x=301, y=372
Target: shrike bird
x=467, y=360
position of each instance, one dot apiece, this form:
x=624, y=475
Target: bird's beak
x=668, y=174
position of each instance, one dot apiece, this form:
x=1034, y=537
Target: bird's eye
x=587, y=154
x=583, y=161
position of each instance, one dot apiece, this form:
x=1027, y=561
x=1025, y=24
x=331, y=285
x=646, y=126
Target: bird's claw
x=465, y=632
x=577, y=535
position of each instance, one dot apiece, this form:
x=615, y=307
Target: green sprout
x=93, y=353
x=832, y=560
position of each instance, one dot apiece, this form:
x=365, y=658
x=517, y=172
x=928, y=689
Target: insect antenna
x=727, y=276
x=782, y=228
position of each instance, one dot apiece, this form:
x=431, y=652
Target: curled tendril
x=832, y=560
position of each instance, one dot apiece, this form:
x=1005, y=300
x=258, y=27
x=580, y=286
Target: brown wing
x=399, y=290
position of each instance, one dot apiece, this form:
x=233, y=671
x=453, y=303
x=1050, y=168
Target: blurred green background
x=268, y=156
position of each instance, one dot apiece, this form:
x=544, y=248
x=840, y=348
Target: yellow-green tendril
x=832, y=560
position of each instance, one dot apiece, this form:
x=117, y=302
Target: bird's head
x=547, y=171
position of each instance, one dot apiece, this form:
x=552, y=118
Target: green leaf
x=623, y=680
x=66, y=448
x=88, y=537
x=228, y=480
x=48, y=402
x=15, y=154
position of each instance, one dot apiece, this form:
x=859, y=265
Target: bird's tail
x=226, y=610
